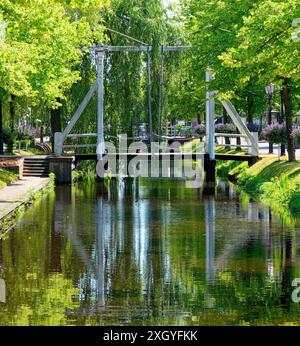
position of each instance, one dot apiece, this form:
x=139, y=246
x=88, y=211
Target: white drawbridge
x=97, y=87
x=251, y=138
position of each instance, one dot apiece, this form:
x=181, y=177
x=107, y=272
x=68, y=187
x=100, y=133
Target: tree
x=266, y=50
x=126, y=95
x=38, y=60
x=211, y=27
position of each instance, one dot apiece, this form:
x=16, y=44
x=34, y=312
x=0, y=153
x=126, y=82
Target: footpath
x=19, y=193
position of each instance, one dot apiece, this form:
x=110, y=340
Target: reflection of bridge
x=112, y=240
x=98, y=87
x=2, y=282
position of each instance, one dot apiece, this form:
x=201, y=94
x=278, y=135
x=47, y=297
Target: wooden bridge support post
x=210, y=164
x=62, y=168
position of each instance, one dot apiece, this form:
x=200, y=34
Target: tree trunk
x=55, y=115
x=1, y=128
x=42, y=134
x=238, y=143
x=250, y=106
x=10, y=144
x=199, y=118
x=271, y=145
x=281, y=120
x=225, y=119
x=287, y=100
x=225, y=116
x=287, y=274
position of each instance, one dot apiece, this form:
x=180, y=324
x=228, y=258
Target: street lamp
x=270, y=92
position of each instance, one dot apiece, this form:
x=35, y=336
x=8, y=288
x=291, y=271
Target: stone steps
x=36, y=167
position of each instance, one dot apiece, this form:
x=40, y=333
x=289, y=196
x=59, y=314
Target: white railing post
x=255, y=150
x=58, y=143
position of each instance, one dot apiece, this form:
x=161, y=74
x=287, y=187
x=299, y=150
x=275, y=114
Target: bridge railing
x=93, y=135
x=248, y=145
x=252, y=149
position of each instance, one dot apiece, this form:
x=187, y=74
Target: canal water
x=148, y=252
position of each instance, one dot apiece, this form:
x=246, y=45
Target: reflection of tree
x=55, y=249
x=287, y=278
x=1, y=255
x=156, y=254
x=210, y=228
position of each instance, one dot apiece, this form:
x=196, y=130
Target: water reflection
x=148, y=252
x=2, y=282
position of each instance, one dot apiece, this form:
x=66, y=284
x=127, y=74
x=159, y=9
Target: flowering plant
x=200, y=130
x=225, y=128
x=275, y=133
x=296, y=134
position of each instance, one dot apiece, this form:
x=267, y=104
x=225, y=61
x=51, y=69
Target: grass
x=7, y=177
x=223, y=168
x=274, y=182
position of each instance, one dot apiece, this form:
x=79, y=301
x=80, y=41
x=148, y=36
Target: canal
x=148, y=252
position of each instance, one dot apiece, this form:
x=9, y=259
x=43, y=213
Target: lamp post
x=270, y=93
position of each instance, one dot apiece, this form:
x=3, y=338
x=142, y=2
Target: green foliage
x=276, y=183
x=282, y=191
x=41, y=49
x=85, y=173
x=264, y=43
x=44, y=45
x=8, y=136
x=224, y=168
x=7, y=177
x=215, y=25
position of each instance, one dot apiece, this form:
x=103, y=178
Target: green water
x=148, y=253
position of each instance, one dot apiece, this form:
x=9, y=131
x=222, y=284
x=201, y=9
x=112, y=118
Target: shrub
x=296, y=134
x=200, y=130
x=225, y=128
x=225, y=168
x=252, y=184
x=23, y=136
x=188, y=131
x=283, y=192
x=9, y=138
x=275, y=133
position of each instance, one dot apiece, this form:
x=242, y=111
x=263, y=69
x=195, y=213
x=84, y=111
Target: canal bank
x=273, y=182
x=19, y=194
